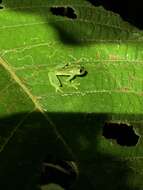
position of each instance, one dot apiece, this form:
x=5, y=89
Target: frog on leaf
x=67, y=70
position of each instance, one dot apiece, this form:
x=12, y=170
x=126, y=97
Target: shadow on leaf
x=77, y=25
x=28, y=139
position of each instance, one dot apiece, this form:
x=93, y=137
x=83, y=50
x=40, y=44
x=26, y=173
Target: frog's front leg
x=54, y=81
x=71, y=83
x=71, y=77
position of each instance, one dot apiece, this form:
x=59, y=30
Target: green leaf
x=36, y=121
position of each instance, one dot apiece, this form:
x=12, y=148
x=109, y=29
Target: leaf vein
x=8, y=68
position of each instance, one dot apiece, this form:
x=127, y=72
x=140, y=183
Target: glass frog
x=67, y=70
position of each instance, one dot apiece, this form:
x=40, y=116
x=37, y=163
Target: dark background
x=131, y=11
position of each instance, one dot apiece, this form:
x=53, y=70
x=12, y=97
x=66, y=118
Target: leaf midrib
x=38, y=107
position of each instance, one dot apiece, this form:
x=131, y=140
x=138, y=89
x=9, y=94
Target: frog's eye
x=82, y=70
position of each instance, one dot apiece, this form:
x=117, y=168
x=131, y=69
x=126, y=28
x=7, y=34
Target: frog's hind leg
x=54, y=81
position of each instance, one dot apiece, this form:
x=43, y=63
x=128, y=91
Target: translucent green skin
x=67, y=70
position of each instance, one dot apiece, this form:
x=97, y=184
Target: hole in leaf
x=63, y=173
x=122, y=133
x=64, y=11
x=1, y=7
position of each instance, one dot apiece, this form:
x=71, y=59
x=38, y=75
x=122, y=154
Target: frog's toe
x=75, y=85
x=72, y=84
x=58, y=89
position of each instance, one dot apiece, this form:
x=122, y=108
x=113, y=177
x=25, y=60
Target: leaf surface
x=37, y=36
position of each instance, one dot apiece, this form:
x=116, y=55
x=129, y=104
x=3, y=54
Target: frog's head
x=82, y=71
